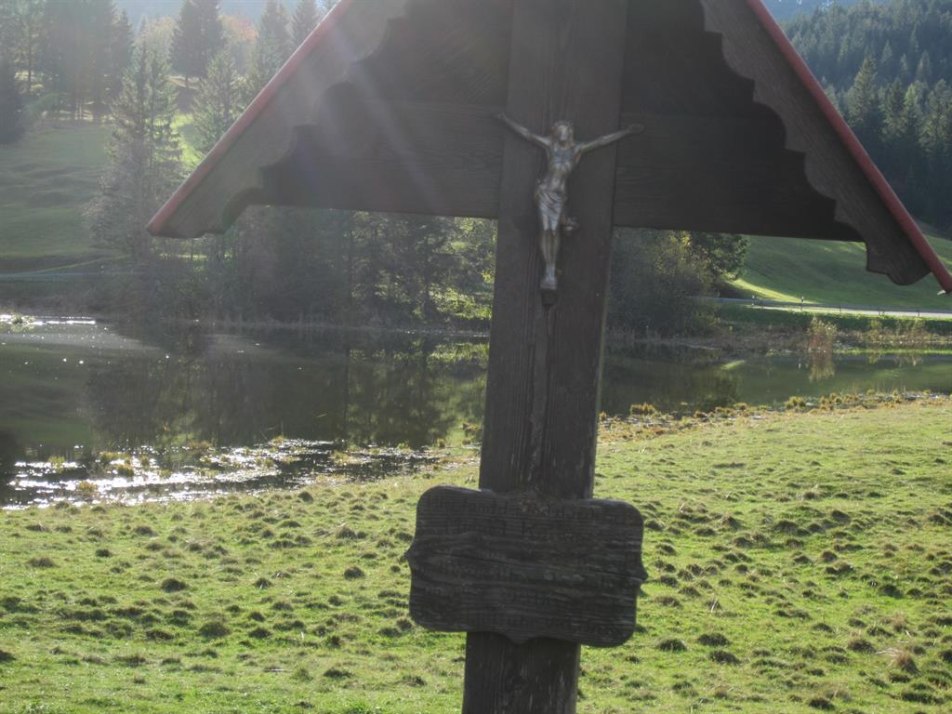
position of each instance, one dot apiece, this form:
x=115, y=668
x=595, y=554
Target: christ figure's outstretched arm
x=523, y=132
x=601, y=141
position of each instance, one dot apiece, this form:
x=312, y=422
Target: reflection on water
x=70, y=390
x=186, y=473
x=902, y=359
x=822, y=366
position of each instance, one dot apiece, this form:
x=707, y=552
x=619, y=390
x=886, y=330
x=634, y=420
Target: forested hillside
x=785, y=9
x=889, y=68
x=251, y=9
x=138, y=9
x=908, y=40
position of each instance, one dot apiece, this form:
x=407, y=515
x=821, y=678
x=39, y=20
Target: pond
x=173, y=414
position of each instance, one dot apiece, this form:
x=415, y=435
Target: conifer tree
x=62, y=52
x=99, y=25
x=218, y=103
x=144, y=164
x=120, y=53
x=199, y=36
x=862, y=105
x=74, y=54
x=304, y=21
x=272, y=48
x=8, y=27
x=924, y=70
x=11, y=104
x=21, y=29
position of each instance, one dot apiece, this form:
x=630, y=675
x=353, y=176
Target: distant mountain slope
x=785, y=9
x=138, y=9
x=909, y=40
x=888, y=66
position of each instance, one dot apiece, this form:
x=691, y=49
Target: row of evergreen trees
x=71, y=55
x=889, y=68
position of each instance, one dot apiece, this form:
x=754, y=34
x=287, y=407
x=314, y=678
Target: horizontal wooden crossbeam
x=428, y=158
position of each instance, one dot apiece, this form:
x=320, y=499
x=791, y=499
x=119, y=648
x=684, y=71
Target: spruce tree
x=73, y=52
x=99, y=24
x=120, y=53
x=272, y=48
x=862, y=105
x=62, y=54
x=924, y=69
x=218, y=103
x=199, y=36
x=893, y=104
x=304, y=21
x=21, y=30
x=8, y=27
x=144, y=164
x=11, y=104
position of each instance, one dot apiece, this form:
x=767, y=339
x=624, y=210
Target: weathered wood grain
x=526, y=567
x=395, y=156
x=720, y=174
x=545, y=362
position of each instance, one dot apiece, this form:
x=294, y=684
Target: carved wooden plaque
x=526, y=567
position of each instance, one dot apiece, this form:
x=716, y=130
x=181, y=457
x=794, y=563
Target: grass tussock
x=799, y=561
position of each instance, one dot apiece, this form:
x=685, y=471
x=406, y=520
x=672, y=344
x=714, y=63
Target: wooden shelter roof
x=390, y=105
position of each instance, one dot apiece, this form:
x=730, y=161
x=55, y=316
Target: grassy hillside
x=45, y=181
x=798, y=562
x=832, y=272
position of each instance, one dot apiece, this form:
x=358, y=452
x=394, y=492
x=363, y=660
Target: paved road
x=874, y=310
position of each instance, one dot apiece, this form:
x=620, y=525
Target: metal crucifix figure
x=551, y=191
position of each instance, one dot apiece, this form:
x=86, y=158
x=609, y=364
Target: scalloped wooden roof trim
x=246, y=165
x=351, y=31
x=846, y=136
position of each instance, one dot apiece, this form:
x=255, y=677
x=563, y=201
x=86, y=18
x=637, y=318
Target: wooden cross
x=545, y=362
x=392, y=105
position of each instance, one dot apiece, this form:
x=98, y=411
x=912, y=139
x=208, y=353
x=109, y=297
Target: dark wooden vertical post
x=545, y=362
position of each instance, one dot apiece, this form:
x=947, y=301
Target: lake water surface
x=73, y=388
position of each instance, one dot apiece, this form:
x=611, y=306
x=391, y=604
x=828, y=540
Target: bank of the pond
x=745, y=330
x=798, y=561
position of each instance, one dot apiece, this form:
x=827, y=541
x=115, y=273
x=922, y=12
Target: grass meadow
x=799, y=561
x=833, y=273
x=45, y=182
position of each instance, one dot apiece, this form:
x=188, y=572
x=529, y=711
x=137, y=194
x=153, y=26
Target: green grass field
x=45, y=182
x=787, y=269
x=798, y=561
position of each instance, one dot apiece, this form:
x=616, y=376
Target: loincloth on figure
x=551, y=205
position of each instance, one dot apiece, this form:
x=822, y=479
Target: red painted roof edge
x=158, y=223
x=875, y=176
